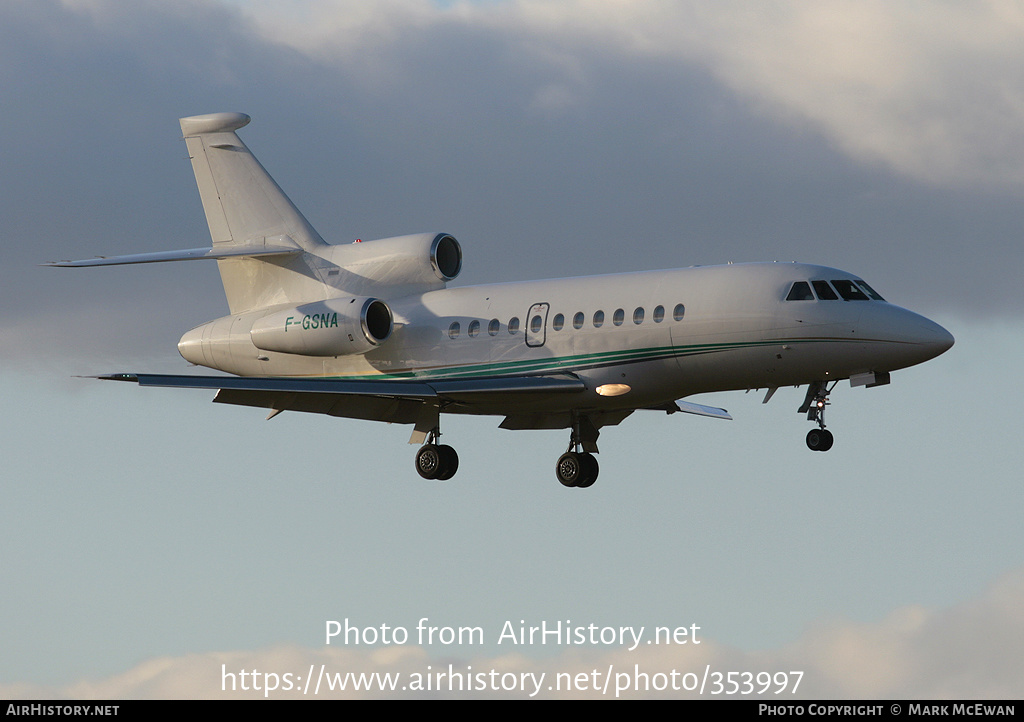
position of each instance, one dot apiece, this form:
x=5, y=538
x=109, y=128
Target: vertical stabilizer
x=245, y=207
x=243, y=204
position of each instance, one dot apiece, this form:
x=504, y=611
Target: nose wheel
x=819, y=439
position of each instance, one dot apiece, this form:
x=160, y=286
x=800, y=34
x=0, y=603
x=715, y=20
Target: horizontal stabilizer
x=192, y=254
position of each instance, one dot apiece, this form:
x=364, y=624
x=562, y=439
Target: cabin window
x=536, y=323
x=513, y=325
x=659, y=314
x=801, y=291
x=598, y=319
x=849, y=291
x=824, y=291
x=474, y=329
x=678, y=311
x=870, y=291
x=618, y=316
x=453, y=330
x=638, y=316
x=493, y=327
x=577, y=320
x=558, y=322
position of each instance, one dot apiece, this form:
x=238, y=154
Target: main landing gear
x=436, y=461
x=577, y=466
x=819, y=439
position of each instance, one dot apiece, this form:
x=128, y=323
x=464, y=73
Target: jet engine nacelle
x=337, y=327
x=399, y=266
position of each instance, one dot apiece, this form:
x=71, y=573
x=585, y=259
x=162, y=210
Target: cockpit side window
x=870, y=291
x=824, y=291
x=801, y=291
x=849, y=290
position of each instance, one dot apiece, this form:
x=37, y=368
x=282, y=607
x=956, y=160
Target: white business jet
x=370, y=330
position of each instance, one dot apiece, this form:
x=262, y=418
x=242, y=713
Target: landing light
x=613, y=389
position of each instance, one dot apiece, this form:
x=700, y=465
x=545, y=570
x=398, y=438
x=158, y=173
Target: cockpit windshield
x=800, y=291
x=849, y=291
x=827, y=291
x=870, y=291
x=824, y=291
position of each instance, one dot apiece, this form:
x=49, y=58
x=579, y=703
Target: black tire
x=569, y=469
x=819, y=439
x=449, y=463
x=429, y=461
x=590, y=471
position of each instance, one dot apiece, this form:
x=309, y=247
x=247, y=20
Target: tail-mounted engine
x=336, y=327
x=392, y=267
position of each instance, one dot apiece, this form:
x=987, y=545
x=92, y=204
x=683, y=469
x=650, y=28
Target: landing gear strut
x=819, y=439
x=436, y=461
x=577, y=466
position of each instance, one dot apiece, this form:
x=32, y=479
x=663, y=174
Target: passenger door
x=537, y=325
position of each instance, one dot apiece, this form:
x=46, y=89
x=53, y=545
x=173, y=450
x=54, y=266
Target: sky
x=151, y=541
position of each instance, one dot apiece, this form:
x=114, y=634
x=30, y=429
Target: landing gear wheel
x=819, y=439
x=429, y=461
x=569, y=469
x=590, y=470
x=437, y=462
x=577, y=469
x=449, y=462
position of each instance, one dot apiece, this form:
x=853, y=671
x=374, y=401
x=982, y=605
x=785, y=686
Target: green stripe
x=562, y=363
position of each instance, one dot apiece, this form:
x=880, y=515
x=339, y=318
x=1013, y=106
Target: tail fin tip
x=213, y=123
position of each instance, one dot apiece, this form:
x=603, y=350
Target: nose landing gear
x=819, y=439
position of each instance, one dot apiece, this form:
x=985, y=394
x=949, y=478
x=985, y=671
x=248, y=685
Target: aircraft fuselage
x=663, y=334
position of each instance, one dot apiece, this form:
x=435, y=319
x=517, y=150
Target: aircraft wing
x=448, y=389
x=398, y=401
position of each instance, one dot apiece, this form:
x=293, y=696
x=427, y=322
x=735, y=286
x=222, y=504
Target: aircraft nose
x=932, y=337
x=906, y=338
x=921, y=339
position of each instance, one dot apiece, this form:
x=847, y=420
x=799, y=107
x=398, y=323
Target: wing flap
x=351, y=406
x=688, y=407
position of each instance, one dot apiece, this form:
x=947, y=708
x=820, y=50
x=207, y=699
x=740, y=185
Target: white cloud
x=970, y=651
x=934, y=91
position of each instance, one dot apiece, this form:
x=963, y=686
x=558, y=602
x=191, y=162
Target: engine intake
x=446, y=256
